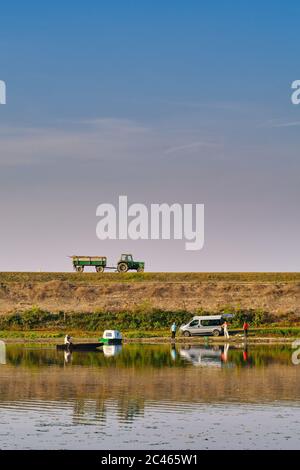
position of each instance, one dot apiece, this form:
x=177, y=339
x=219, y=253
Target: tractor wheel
x=79, y=269
x=122, y=268
x=99, y=269
x=140, y=270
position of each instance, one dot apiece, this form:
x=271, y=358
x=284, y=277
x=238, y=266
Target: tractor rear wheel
x=122, y=268
x=99, y=269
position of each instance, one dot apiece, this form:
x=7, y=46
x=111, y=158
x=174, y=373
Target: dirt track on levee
x=277, y=293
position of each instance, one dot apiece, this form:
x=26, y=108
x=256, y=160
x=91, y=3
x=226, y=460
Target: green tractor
x=126, y=262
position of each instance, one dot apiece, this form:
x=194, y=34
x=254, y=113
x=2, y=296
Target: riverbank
x=256, y=336
x=38, y=306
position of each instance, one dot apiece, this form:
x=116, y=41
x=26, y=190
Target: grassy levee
x=145, y=304
x=96, y=278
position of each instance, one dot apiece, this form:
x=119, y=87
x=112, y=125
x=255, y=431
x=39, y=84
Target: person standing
x=173, y=330
x=68, y=341
x=225, y=329
x=245, y=328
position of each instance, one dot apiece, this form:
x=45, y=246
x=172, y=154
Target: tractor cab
x=126, y=258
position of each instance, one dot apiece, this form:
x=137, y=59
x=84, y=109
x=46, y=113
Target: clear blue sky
x=175, y=101
x=82, y=58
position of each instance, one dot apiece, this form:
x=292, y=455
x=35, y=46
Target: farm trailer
x=99, y=262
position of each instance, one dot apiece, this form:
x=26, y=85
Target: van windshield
x=194, y=323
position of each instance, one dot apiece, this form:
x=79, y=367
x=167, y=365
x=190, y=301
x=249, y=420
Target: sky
x=173, y=101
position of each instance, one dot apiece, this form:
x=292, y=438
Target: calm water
x=148, y=397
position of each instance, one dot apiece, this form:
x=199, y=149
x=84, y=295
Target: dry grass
x=276, y=293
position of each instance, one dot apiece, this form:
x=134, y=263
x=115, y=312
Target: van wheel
x=216, y=333
x=186, y=334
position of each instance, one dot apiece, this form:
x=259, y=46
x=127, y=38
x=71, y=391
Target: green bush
x=139, y=319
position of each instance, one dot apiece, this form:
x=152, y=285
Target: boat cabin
x=111, y=337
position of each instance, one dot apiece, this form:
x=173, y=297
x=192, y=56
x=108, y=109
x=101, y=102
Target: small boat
x=111, y=337
x=79, y=347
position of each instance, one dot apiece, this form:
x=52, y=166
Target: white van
x=205, y=325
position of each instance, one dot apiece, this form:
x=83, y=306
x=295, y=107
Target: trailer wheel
x=122, y=268
x=79, y=269
x=99, y=269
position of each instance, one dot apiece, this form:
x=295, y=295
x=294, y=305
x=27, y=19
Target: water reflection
x=112, y=350
x=68, y=357
x=200, y=356
x=145, y=395
x=145, y=356
x=2, y=353
x=173, y=352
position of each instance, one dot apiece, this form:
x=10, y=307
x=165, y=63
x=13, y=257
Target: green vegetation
x=285, y=331
x=255, y=317
x=34, y=335
x=143, y=322
x=140, y=319
x=96, y=278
